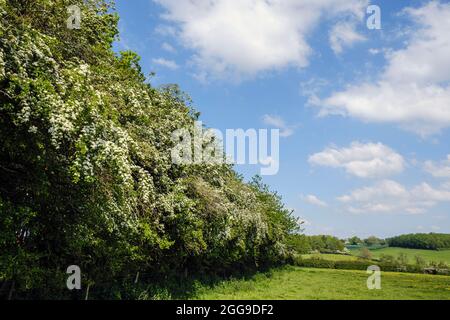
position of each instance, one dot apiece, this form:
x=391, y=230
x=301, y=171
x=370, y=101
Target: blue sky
x=365, y=112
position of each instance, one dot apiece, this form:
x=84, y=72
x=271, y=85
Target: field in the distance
x=428, y=255
x=331, y=257
x=295, y=283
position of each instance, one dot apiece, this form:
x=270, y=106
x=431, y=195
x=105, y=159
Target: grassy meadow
x=331, y=257
x=295, y=283
x=427, y=255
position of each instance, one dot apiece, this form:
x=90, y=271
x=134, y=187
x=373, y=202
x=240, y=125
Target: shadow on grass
x=144, y=286
x=180, y=287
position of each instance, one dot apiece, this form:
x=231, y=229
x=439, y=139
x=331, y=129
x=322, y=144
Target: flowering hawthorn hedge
x=86, y=176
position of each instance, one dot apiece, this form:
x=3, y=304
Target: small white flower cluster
x=145, y=186
x=84, y=69
x=61, y=120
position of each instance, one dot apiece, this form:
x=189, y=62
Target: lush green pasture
x=297, y=283
x=331, y=257
x=428, y=255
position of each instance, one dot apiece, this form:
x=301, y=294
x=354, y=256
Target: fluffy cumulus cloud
x=344, y=34
x=368, y=160
x=246, y=37
x=314, y=200
x=413, y=89
x=438, y=169
x=391, y=197
x=278, y=122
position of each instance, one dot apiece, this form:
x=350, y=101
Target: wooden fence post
x=87, y=292
x=137, y=278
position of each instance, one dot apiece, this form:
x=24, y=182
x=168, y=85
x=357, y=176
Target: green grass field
x=295, y=283
x=428, y=255
x=331, y=257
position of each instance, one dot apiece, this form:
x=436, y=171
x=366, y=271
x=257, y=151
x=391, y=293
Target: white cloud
x=278, y=122
x=246, y=37
x=433, y=228
x=413, y=90
x=362, y=160
x=425, y=191
x=343, y=35
x=391, y=197
x=313, y=86
x=168, y=47
x=166, y=63
x=165, y=30
x=312, y=199
x=438, y=170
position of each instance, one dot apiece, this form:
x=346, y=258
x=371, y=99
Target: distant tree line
x=322, y=243
x=431, y=241
x=370, y=241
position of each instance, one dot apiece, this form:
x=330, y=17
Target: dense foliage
x=354, y=241
x=86, y=176
x=362, y=264
x=371, y=241
x=432, y=241
x=320, y=243
x=374, y=241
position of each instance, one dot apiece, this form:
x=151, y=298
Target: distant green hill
x=427, y=255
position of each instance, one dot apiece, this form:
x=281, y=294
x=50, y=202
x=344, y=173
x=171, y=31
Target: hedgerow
x=86, y=176
x=356, y=265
